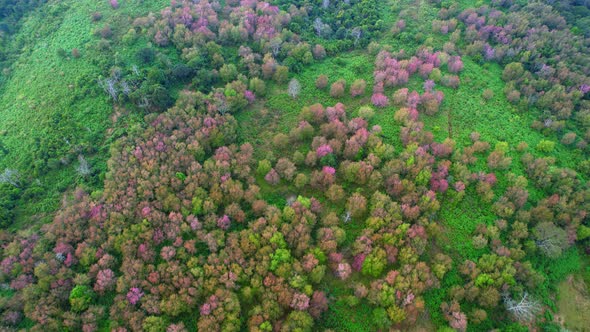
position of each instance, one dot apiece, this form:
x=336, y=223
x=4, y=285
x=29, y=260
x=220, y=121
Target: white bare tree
x=550, y=239
x=109, y=85
x=346, y=217
x=318, y=25
x=524, y=309
x=11, y=177
x=356, y=33
x=325, y=4
x=83, y=168
x=294, y=88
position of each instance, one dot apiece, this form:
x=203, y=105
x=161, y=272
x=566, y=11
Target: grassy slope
x=496, y=120
x=53, y=103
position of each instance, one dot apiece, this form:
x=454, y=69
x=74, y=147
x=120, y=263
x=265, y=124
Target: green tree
x=80, y=298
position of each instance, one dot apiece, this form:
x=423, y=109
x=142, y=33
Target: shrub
x=546, y=146
x=80, y=298
x=487, y=94
x=337, y=88
x=321, y=82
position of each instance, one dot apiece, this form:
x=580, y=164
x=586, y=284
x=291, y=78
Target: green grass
x=51, y=108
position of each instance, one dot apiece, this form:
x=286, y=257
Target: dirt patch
x=574, y=304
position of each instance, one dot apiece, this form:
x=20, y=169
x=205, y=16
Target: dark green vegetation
x=315, y=165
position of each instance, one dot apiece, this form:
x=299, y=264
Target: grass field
x=51, y=108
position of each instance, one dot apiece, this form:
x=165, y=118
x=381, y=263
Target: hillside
x=293, y=165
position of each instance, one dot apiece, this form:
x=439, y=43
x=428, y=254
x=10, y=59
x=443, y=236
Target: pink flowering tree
x=379, y=100
x=134, y=295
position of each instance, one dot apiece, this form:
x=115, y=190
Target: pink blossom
x=458, y=321
x=205, y=309
x=194, y=222
x=134, y=295
x=223, y=222
x=429, y=85
x=167, y=252
x=343, y=271
x=145, y=211
x=379, y=100
x=491, y=178
x=359, y=259
x=249, y=95
x=324, y=150
x=329, y=170
x=21, y=281
x=459, y=186
x=114, y=4
x=335, y=257
x=272, y=177
x=300, y=302
x=70, y=260
x=391, y=276
x=455, y=64
x=105, y=280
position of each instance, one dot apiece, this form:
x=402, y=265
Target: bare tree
x=550, y=239
x=11, y=177
x=275, y=45
x=325, y=4
x=135, y=70
x=109, y=86
x=294, y=88
x=222, y=106
x=144, y=102
x=125, y=88
x=524, y=309
x=83, y=169
x=356, y=33
x=346, y=217
x=318, y=25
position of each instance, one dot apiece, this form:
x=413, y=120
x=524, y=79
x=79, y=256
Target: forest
x=294, y=165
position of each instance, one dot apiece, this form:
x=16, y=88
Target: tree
x=105, y=281
x=337, y=88
x=80, y=298
x=11, y=177
x=550, y=239
x=298, y=321
x=154, y=324
x=512, y=71
x=319, y=52
x=83, y=168
x=524, y=309
x=294, y=88
x=357, y=205
x=358, y=87
x=379, y=100
x=281, y=74
x=375, y=263
x=321, y=82
x=455, y=64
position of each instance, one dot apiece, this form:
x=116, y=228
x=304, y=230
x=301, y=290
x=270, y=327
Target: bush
x=546, y=146
x=321, y=82
x=337, y=88
x=146, y=55
x=80, y=298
